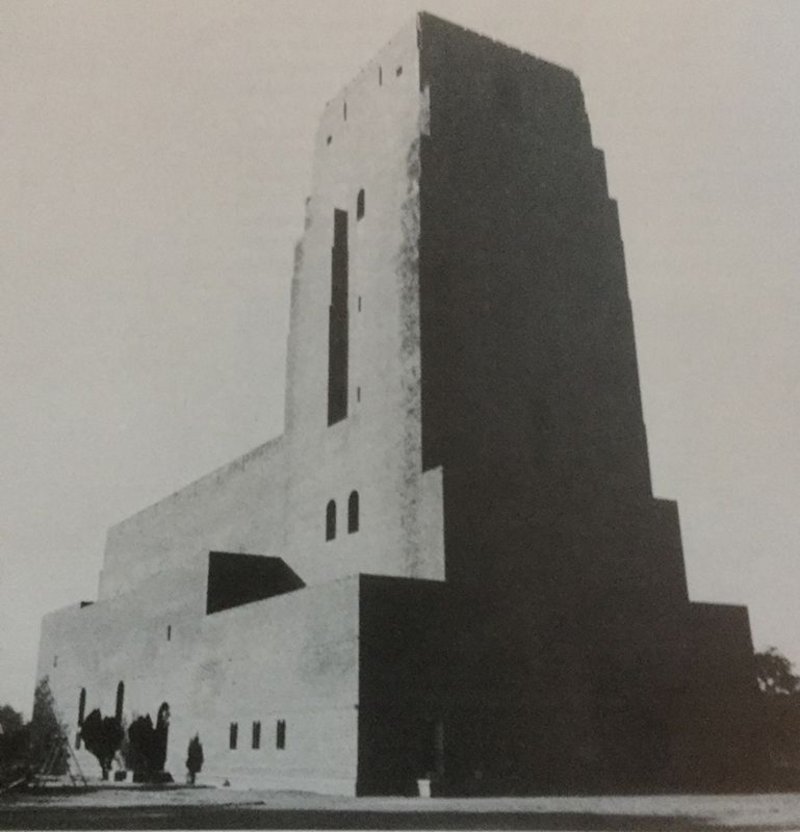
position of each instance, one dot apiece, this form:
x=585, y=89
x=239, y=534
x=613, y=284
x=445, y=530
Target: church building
x=451, y=565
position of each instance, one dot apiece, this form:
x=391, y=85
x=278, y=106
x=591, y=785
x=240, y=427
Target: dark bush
x=147, y=747
x=141, y=738
x=779, y=687
x=102, y=737
x=194, y=758
x=47, y=736
x=14, y=735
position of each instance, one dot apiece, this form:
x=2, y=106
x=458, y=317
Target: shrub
x=47, y=742
x=13, y=745
x=194, y=757
x=102, y=737
x=147, y=747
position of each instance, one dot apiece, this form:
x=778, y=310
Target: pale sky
x=154, y=161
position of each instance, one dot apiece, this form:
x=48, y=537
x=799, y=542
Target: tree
x=38, y=746
x=141, y=739
x=147, y=748
x=11, y=721
x=47, y=734
x=194, y=757
x=774, y=674
x=102, y=737
x=13, y=744
x=780, y=700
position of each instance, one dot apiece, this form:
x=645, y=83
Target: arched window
x=330, y=520
x=360, y=204
x=120, y=700
x=352, y=513
x=161, y=737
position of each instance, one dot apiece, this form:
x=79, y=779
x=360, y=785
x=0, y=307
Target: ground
x=110, y=807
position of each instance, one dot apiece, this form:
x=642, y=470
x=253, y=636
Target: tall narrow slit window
x=256, y=743
x=360, y=204
x=280, y=734
x=352, y=513
x=330, y=520
x=81, y=706
x=120, y=701
x=81, y=713
x=338, y=326
x=233, y=735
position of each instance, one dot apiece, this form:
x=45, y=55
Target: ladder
x=61, y=742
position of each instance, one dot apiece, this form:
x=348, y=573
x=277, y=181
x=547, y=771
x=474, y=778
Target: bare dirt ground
x=109, y=807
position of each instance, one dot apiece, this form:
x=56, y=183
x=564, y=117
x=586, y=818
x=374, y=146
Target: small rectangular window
x=358, y=394
x=234, y=736
x=55, y=661
x=280, y=734
x=359, y=303
x=399, y=71
x=169, y=632
x=256, y=735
